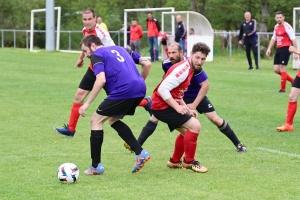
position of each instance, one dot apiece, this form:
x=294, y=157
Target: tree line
x=222, y=14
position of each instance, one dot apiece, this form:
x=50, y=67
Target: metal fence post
x=258, y=48
x=70, y=40
x=2, y=38
x=15, y=39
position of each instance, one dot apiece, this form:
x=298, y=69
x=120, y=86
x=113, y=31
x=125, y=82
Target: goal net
x=32, y=22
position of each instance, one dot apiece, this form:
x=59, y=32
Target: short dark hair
x=201, y=47
x=89, y=39
x=279, y=13
x=87, y=11
x=149, y=13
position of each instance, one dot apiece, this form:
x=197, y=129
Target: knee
x=196, y=126
x=80, y=95
x=293, y=97
x=112, y=120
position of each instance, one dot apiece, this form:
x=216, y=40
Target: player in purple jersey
x=115, y=70
x=195, y=98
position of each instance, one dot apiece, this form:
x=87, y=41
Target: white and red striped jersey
x=101, y=33
x=175, y=82
x=283, y=35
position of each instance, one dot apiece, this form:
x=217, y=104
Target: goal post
x=296, y=27
x=32, y=26
x=144, y=10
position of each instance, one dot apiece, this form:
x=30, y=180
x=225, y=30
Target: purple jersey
x=194, y=86
x=123, y=80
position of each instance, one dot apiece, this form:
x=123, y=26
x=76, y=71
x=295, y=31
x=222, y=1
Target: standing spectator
x=128, y=34
x=101, y=23
x=153, y=27
x=248, y=37
x=283, y=34
x=136, y=33
x=180, y=33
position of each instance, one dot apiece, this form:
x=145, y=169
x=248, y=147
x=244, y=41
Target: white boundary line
x=279, y=152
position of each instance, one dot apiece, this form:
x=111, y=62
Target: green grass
x=37, y=90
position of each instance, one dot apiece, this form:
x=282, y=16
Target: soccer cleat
x=257, y=68
x=250, y=68
x=128, y=147
x=141, y=159
x=280, y=91
x=65, y=131
x=241, y=148
x=195, y=166
x=171, y=164
x=149, y=104
x=95, y=171
x=285, y=127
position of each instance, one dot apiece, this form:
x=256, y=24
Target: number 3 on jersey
x=119, y=57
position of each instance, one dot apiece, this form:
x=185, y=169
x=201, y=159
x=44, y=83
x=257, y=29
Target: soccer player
x=115, y=70
x=87, y=82
x=248, y=37
x=293, y=97
x=195, y=98
x=169, y=107
x=283, y=35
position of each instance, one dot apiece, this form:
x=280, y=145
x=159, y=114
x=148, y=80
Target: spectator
x=102, y=24
x=180, y=33
x=192, y=31
x=248, y=38
x=153, y=27
x=136, y=33
x=224, y=38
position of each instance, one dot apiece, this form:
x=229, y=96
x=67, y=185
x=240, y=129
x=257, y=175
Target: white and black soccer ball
x=68, y=173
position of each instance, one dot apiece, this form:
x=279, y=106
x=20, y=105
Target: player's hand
x=182, y=109
x=191, y=106
x=268, y=52
x=244, y=35
x=79, y=63
x=194, y=113
x=82, y=109
x=240, y=42
x=292, y=49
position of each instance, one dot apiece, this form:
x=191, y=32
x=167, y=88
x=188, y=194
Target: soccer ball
x=68, y=173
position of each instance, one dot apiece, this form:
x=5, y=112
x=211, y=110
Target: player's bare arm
x=272, y=42
x=98, y=85
x=146, y=65
x=294, y=50
x=296, y=56
x=80, y=61
x=201, y=94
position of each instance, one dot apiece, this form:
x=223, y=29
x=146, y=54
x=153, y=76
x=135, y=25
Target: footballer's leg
x=85, y=86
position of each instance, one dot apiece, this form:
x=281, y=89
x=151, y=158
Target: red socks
x=178, y=149
x=190, y=145
x=74, y=116
x=285, y=77
x=291, y=111
x=283, y=80
x=143, y=103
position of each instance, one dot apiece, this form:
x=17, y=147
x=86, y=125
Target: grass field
x=37, y=90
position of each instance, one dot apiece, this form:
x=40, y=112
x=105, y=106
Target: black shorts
x=282, y=56
x=88, y=80
x=118, y=108
x=296, y=83
x=205, y=106
x=171, y=117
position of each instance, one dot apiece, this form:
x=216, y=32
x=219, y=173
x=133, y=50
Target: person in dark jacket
x=248, y=37
x=180, y=33
x=153, y=27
